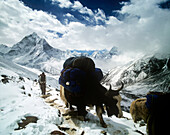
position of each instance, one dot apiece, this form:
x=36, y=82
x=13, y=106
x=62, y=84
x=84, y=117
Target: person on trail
x=42, y=83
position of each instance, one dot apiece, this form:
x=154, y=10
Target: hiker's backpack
x=42, y=78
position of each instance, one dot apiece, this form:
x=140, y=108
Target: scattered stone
x=139, y=132
x=63, y=128
x=51, y=101
x=5, y=79
x=45, y=96
x=21, y=79
x=57, y=89
x=68, y=130
x=60, y=106
x=73, y=129
x=82, y=133
x=22, y=87
x=49, y=90
x=56, y=132
x=4, y=76
x=104, y=132
x=26, y=121
x=23, y=93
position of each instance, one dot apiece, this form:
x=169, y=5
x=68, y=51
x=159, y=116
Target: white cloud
x=77, y=5
x=17, y=21
x=145, y=28
x=99, y=15
x=83, y=10
x=63, y=3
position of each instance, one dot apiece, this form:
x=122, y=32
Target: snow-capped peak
x=4, y=49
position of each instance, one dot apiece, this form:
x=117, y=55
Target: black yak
x=91, y=91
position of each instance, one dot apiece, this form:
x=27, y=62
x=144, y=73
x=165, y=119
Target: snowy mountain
x=34, y=52
x=4, y=49
x=24, y=111
x=33, y=49
x=149, y=73
x=96, y=54
x=33, y=55
x=25, y=72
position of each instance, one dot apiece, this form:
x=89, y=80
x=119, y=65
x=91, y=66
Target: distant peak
x=34, y=34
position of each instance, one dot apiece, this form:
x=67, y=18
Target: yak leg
x=99, y=112
x=82, y=110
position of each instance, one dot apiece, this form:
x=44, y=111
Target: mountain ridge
x=35, y=52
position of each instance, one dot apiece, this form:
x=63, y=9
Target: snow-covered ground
x=21, y=97
x=21, y=101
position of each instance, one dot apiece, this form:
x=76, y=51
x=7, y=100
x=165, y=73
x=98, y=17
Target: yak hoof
x=104, y=125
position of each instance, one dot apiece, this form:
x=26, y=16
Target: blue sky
x=134, y=26
x=108, y=7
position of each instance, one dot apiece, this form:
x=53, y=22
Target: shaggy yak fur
x=92, y=93
x=138, y=110
x=156, y=116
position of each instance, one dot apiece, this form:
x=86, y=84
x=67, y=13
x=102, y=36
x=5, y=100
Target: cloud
x=17, y=21
x=62, y=3
x=77, y=5
x=145, y=27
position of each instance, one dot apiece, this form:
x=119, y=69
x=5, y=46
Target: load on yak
x=80, y=86
x=154, y=111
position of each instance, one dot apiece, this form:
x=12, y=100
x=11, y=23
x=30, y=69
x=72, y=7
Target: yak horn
x=118, y=88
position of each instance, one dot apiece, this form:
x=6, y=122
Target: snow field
x=22, y=97
x=15, y=105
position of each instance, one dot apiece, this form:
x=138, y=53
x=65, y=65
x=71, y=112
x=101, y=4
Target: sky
x=134, y=26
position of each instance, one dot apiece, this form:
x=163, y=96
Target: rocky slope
x=150, y=73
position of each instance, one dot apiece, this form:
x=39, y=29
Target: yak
x=138, y=110
x=154, y=111
x=110, y=98
x=92, y=93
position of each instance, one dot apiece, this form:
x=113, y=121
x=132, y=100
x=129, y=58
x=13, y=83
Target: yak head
x=113, y=106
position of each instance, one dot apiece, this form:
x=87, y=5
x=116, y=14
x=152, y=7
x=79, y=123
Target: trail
x=70, y=125
x=21, y=100
x=74, y=125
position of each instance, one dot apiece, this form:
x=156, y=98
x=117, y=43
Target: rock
x=5, y=79
x=46, y=96
x=26, y=121
x=68, y=130
x=56, y=132
x=82, y=133
x=51, y=101
x=104, y=132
